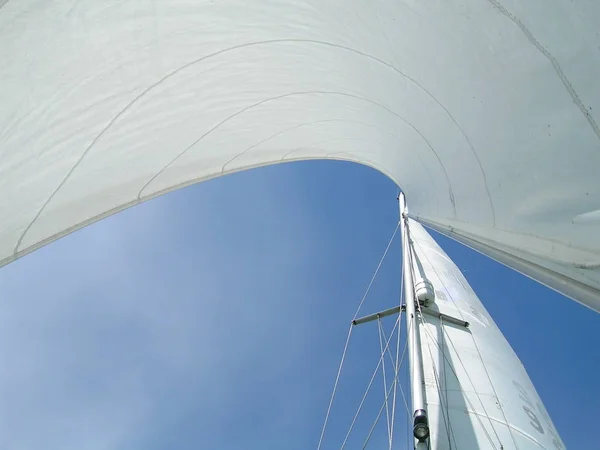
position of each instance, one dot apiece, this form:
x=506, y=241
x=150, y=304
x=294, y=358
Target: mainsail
x=484, y=112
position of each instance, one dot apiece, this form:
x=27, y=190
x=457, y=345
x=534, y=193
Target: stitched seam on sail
x=443, y=401
x=290, y=94
x=385, y=389
x=466, y=397
x=203, y=58
x=457, y=353
x=550, y=57
x=262, y=141
x=137, y=201
x=478, y=352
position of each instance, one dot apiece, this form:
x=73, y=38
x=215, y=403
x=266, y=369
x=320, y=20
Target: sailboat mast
x=420, y=422
x=478, y=395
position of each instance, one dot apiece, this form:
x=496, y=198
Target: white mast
x=420, y=422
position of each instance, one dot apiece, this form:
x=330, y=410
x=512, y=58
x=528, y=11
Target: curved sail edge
x=579, y=284
x=485, y=114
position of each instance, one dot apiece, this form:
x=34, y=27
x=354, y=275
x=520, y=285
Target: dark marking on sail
x=550, y=57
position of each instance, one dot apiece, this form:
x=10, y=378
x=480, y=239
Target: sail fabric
x=478, y=393
x=485, y=112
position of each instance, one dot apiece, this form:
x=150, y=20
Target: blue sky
x=214, y=318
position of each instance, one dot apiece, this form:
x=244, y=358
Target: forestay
x=485, y=111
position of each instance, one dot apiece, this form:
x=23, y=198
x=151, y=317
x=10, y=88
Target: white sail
x=478, y=393
x=484, y=111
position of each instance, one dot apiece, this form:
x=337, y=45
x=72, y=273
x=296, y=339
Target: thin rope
x=397, y=355
x=387, y=410
x=335, y=385
x=397, y=373
x=337, y=378
x=376, y=270
x=458, y=355
x=396, y=381
x=435, y=375
x=376, y=420
x=408, y=434
x=443, y=348
x=495, y=393
x=368, y=388
x=438, y=384
x=477, y=415
x=437, y=381
x=474, y=390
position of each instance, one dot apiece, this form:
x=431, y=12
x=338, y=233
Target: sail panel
x=485, y=114
x=579, y=285
x=478, y=393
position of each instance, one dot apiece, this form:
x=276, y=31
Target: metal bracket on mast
x=379, y=315
x=424, y=309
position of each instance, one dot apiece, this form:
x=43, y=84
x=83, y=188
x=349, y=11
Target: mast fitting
x=420, y=425
x=424, y=292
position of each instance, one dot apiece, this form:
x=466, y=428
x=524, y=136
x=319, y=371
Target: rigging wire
x=461, y=362
x=495, y=393
x=387, y=410
x=408, y=434
x=337, y=378
x=399, y=383
x=445, y=414
x=368, y=387
x=377, y=270
x=377, y=419
x=398, y=373
x=466, y=397
x=445, y=381
x=397, y=354
x=443, y=402
x=335, y=385
x=396, y=381
x=476, y=393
